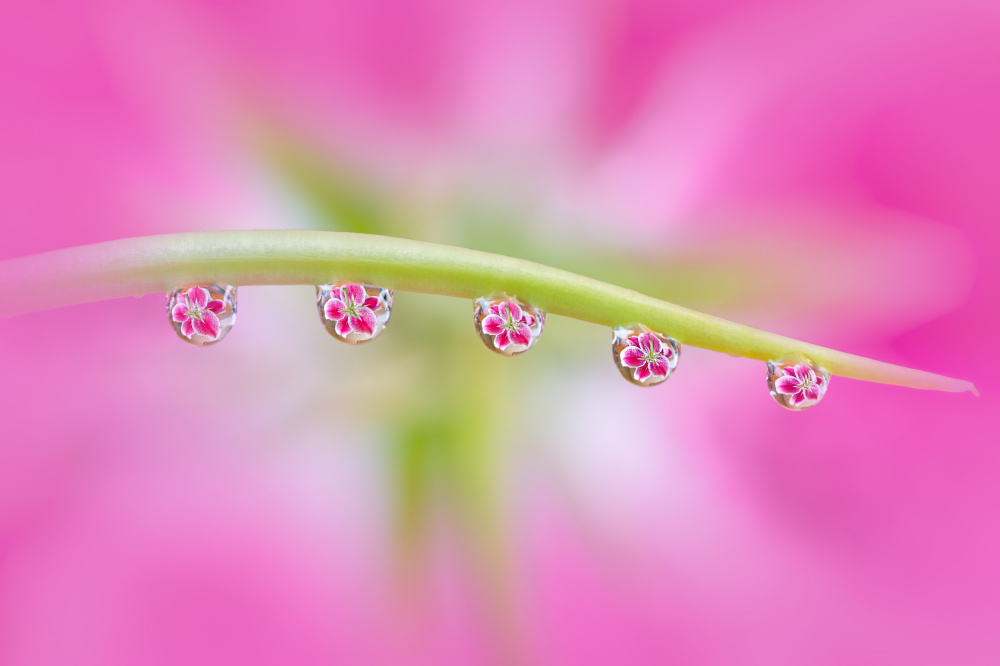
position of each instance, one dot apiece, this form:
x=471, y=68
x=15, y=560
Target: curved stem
x=138, y=266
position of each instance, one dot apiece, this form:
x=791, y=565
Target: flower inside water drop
x=508, y=326
x=202, y=314
x=797, y=386
x=642, y=356
x=352, y=312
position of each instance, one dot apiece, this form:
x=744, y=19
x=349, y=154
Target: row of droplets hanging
x=203, y=314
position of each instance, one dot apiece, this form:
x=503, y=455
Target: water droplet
x=506, y=325
x=202, y=314
x=797, y=385
x=353, y=312
x=644, y=357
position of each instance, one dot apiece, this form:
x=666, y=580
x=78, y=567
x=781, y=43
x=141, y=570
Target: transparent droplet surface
x=797, y=385
x=507, y=325
x=202, y=313
x=353, y=312
x=643, y=356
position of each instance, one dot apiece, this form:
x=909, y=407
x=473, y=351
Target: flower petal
x=180, y=312
x=502, y=341
x=631, y=357
x=642, y=372
x=659, y=368
x=786, y=385
x=197, y=296
x=521, y=335
x=215, y=306
x=371, y=302
x=364, y=323
x=333, y=310
x=187, y=328
x=789, y=370
x=512, y=310
x=495, y=309
x=655, y=345
x=811, y=393
x=493, y=325
x=208, y=325
x=805, y=374
x=633, y=341
x=343, y=326
x=355, y=292
x=797, y=399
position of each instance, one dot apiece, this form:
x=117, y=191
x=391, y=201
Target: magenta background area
x=161, y=504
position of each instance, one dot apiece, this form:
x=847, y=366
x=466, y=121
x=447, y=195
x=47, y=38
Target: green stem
x=138, y=266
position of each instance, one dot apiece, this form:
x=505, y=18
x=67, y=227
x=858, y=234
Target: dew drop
x=649, y=357
x=202, y=313
x=353, y=312
x=797, y=385
x=506, y=325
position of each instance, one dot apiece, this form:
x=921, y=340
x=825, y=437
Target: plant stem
x=138, y=266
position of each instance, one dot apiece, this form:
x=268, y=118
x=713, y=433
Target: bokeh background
x=826, y=169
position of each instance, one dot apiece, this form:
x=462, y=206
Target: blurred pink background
x=826, y=170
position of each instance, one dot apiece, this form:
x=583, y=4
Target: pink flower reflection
x=509, y=324
x=352, y=308
x=647, y=355
x=198, y=313
x=802, y=383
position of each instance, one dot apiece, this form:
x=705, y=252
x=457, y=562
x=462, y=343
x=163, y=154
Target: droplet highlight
x=797, y=385
x=643, y=356
x=353, y=312
x=507, y=325
x=202, y=314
